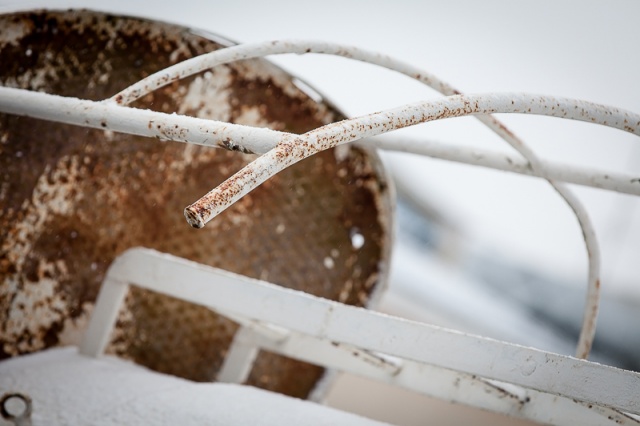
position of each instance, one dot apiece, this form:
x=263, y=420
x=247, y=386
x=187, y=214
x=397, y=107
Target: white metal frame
x=502, y=377
x=485, y=373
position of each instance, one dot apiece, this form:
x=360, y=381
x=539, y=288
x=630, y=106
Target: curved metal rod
x=603, y=179
x=137, y=121
x=227, y=55
x=234, y=53
x=295, y=148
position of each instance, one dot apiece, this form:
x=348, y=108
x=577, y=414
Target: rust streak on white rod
x=294, y=149
x=227, y=55
x=110, y=116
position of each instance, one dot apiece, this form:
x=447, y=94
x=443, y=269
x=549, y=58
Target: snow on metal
x=498, y=376
x=295, y=148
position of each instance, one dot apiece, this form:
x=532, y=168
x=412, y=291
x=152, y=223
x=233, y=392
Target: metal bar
x=104, y=315
x=275, y=47
x=446, y=384
x=423, y=378
x=531, y=368
x=294, y=149
x=135, y=121
x=586, y=176
x=240, y=357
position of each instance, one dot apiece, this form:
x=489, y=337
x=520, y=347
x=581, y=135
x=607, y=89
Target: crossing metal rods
x=280, y=150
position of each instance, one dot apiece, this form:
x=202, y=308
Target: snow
x=72, y=389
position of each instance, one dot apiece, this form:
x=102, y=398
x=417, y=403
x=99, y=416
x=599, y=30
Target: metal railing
x=550, y=388
x=472, y=370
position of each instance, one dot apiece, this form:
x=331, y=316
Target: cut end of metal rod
x=194, y=218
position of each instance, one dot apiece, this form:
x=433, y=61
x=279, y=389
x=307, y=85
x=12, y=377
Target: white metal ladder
x=476, y=371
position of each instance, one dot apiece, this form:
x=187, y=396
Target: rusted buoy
x=72, y=199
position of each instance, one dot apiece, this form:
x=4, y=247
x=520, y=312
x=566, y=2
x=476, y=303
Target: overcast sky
x=586, y=50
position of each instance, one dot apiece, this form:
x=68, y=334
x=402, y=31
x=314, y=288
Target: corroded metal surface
x=71, y=199
x=21, y=416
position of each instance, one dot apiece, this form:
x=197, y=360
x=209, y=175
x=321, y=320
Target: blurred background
x=478, y=250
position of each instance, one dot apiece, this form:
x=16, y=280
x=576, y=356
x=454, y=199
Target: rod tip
x=193, y=218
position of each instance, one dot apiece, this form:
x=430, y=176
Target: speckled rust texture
x=72, y=199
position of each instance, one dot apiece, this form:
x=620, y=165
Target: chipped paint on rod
x=110, y=116
x=276, y=47
x=586, y=176
x=292, y=150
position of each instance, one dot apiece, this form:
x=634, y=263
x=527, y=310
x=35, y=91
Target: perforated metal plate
x=71, y=199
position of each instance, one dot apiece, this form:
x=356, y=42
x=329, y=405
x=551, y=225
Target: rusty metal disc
x=72, y=199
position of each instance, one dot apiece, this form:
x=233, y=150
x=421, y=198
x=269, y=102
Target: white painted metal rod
x=240, y=357
x=586, y=176
x=449, y=385
x=427, y=379
x=103, y=318
x=258, y=140
x=300, y=312
x=110, y=116
x=592, y=299
x=275, y=47
x=293, y=150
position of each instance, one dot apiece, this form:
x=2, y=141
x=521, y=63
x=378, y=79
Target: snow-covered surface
x=71, y=389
